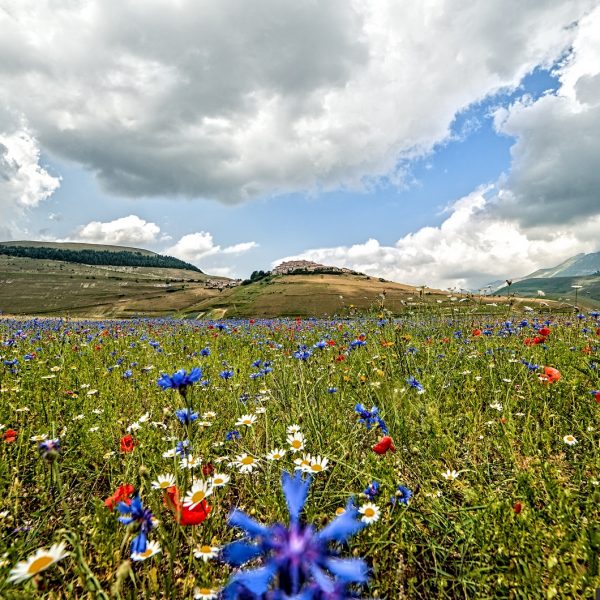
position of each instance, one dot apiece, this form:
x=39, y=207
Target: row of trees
x=121, y=258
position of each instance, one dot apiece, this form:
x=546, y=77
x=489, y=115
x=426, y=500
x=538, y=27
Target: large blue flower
x=186, y=415
x=140, y=515
x=371, y=418
x=180, y=380
x=297, y=561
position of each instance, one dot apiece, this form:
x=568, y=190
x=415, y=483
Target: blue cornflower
x=180, y=380
x=371, y=418
x=227, y=374
x=140, y=515
x=234, y=434
x=415, y=384
x=321, y=344
x=257, y=363
x=331, y=390
x=372, y=490
x=296, y=559
x=127, y=374
x=183, y=448
x=49, y=449
x=402, y=495
x=302, y=354
x=357, y=343
x=186, y=416
x=205, y=351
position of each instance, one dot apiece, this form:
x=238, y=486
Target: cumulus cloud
x=194, y=247
x=234, y=100
x=130, y=230
x=24, y=182
x=554, y=176
x=467, y=250
x=544, y=210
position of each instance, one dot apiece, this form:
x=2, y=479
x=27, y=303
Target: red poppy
x=517, y=508
x=127, y=443
x=331, y=342
x=10, y=435
x=597, y=396
x=207, y=469
x=340, y=358
x=384, y=444
x=534, y=341
x=183, y=515
x=476, y=332
x=551, y=375
x=598, y=331
x=123, y=494
x=545, y=331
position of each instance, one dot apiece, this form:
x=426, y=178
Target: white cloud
x=554, y=175
x=195, y=247
x=126, y=231
x=467, y=250
x=543, y=211
x=24, y=182
x=234, y=100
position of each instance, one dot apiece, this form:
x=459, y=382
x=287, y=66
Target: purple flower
x=297, y=560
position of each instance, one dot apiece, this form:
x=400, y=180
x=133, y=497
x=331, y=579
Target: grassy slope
x=30, y=286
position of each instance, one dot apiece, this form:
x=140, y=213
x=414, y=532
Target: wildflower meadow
x=428, y=456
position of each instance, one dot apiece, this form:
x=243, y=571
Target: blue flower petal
x=342, y=527
x=139, y=543
x=351, y=570
x=253, y=528
x=255, y=581
x=295, y=490
x=238, y=553
x=323, y=580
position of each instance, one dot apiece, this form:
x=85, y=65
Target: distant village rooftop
x=305, y=266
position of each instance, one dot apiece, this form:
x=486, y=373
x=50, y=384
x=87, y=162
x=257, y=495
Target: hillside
x=94, y=255
x=560, y=288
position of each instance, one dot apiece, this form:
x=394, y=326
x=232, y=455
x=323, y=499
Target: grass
x=483, y=413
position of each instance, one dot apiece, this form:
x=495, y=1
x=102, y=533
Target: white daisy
x=245, y=463
x=205, y=593
x=93, y=429
x=163, y=482
x=449, y=475
x=152, y=548
x=170, y=453
x=569, y=439
x=318, y=464
x=206, y=552
x=247, y=420
x=276, y=454
x=293, y=429
x=209, y=414
x=40, y=560
x=191, y=462
x=200, y=491
x=219, y=480
x=369, y=512
x=203, y=424
x=39, y=438
x=134, y=427
x=303, y=463
x=296, y=442
x=144, y=418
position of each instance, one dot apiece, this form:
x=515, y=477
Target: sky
x=432, y=143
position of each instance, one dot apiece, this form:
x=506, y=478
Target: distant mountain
x=576, y=266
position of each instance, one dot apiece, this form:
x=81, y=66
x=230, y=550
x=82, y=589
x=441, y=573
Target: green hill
x=89, y=254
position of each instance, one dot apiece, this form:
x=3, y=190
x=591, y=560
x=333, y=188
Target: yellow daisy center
x=277, y=456
x=39, y=564
x=296, y=444
x=205, y=549
x=198, y=496
x=316, y=467
x=340, y=511
x=146, y=553
x=247, y=460
x=165, y=484
x=205, y=591
x=369, y=512
x=218, y=480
